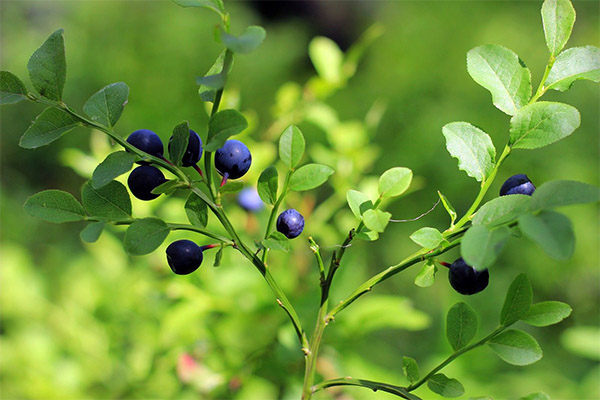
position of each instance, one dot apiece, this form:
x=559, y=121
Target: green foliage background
x=87, y=321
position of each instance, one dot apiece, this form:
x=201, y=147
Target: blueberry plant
x=521, y=209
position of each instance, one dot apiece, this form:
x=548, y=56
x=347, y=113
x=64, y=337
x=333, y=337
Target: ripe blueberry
x=143, y=180
x=249, y=199
x=467, y=280
x=147, y=141
x=193, y=152
x=233, y=159
x=517, y=184
x=290, y=223
x=184, y=256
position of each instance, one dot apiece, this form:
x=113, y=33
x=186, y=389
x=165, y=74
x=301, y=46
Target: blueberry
x=147, y=141
x=143, y=180
x=233, y=159
x=249, y=200
x=467, y=280
x=290, y=223
x=193, y=152
x=517, y=184
x=184, y=256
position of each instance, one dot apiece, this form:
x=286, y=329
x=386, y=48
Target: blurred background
x=87, y=321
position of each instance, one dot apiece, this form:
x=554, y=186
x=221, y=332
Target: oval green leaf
x=376, y=220
x=358, y=202
x=426, y=277
x=472, y=147
x=552, y=231
x=572, y=65
x=196, y=211
x=461, y=325
x=51, y=124
x=558, y=17
x=92, y=232
x=427, y=237
x=480, y=246
x=547, y=313
x=145, y=235
x=518, y=300
x=310, y=176
x=55, y=206
x=110, y=202
x=563, y=193
x=410, y=369
x=223, y=125
x=502, y=210
x=178, y=142
x=114, y=165
x=278, y=241
x=542, y=123
x=106, y=105
x=444, y=386
x=247, y=42
x=12, y=90
x=516, y=347
x=268, y=183
x=291, y=146
x=394, y=181
x=327, y=58
x=48, y=67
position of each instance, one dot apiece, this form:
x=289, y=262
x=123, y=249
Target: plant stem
x=453, y=356
x=541, y=89
x=366, y=287
x=315, y=343
x=485, y=185
x=192, y=228
x=274, y=211
x=384, y=387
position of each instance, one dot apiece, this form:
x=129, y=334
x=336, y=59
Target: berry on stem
x=232, y=160
x=143, y=180
x=193, y=152
x=184, y=256
x=465, y=279
x=249, y=199
x=148, y=141
x=291, y=223
x=517, y=184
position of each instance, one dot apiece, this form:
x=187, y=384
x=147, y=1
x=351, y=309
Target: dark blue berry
x=517, y=184
x=184, y=256
x=147, y=141
x=467, y=280
x=233, y=159
x=143, y=180
x=249, y=199
x=290, y=223
x=193, y=152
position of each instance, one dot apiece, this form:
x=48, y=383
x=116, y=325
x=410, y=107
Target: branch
x=374, y=386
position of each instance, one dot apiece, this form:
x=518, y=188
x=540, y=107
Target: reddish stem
x=445, y=264
x=167, y=161
x=197, y=168
x=209, y=246
x=224, y=180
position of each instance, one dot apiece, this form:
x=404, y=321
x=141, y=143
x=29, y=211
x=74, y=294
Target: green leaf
x=218, y=257
x=536, y=396
x=196, y=211
x=109, y=202
x=574, y=64
x=278, y=241
x=231, y=187
x=179, y=142
x=376, y=220
x=503, y=73
x=552, y=231
x=358, y=202
x=444, y=386
x=563, y=193
x=461, y=325
x=547, y=313
x=291, y=146
x=480, y=246
x=327, y=58
x=223, y=125
x=106, y=105
x=394, y=181
x=449, y=208
x=427, y=237
x=516, y=347
x=582, y=341
x=410, y=369
x=12, y=90
x=215, y=77
x=472, y=147
x=268, y=183
x=55, y=206
x=168, y=187
x=426, y=277
x=310, y=176
x=144, y=236
x=247, y=42
x=92, y=232
x=48, y=67
x=558, y=17
x=518, y=300
x=114, y=165
x=51, y=124
x=215, y=5
x=501, y=210
x=542, y=123
x=367, y=236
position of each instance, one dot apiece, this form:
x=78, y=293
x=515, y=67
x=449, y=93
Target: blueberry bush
x=210, y=171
